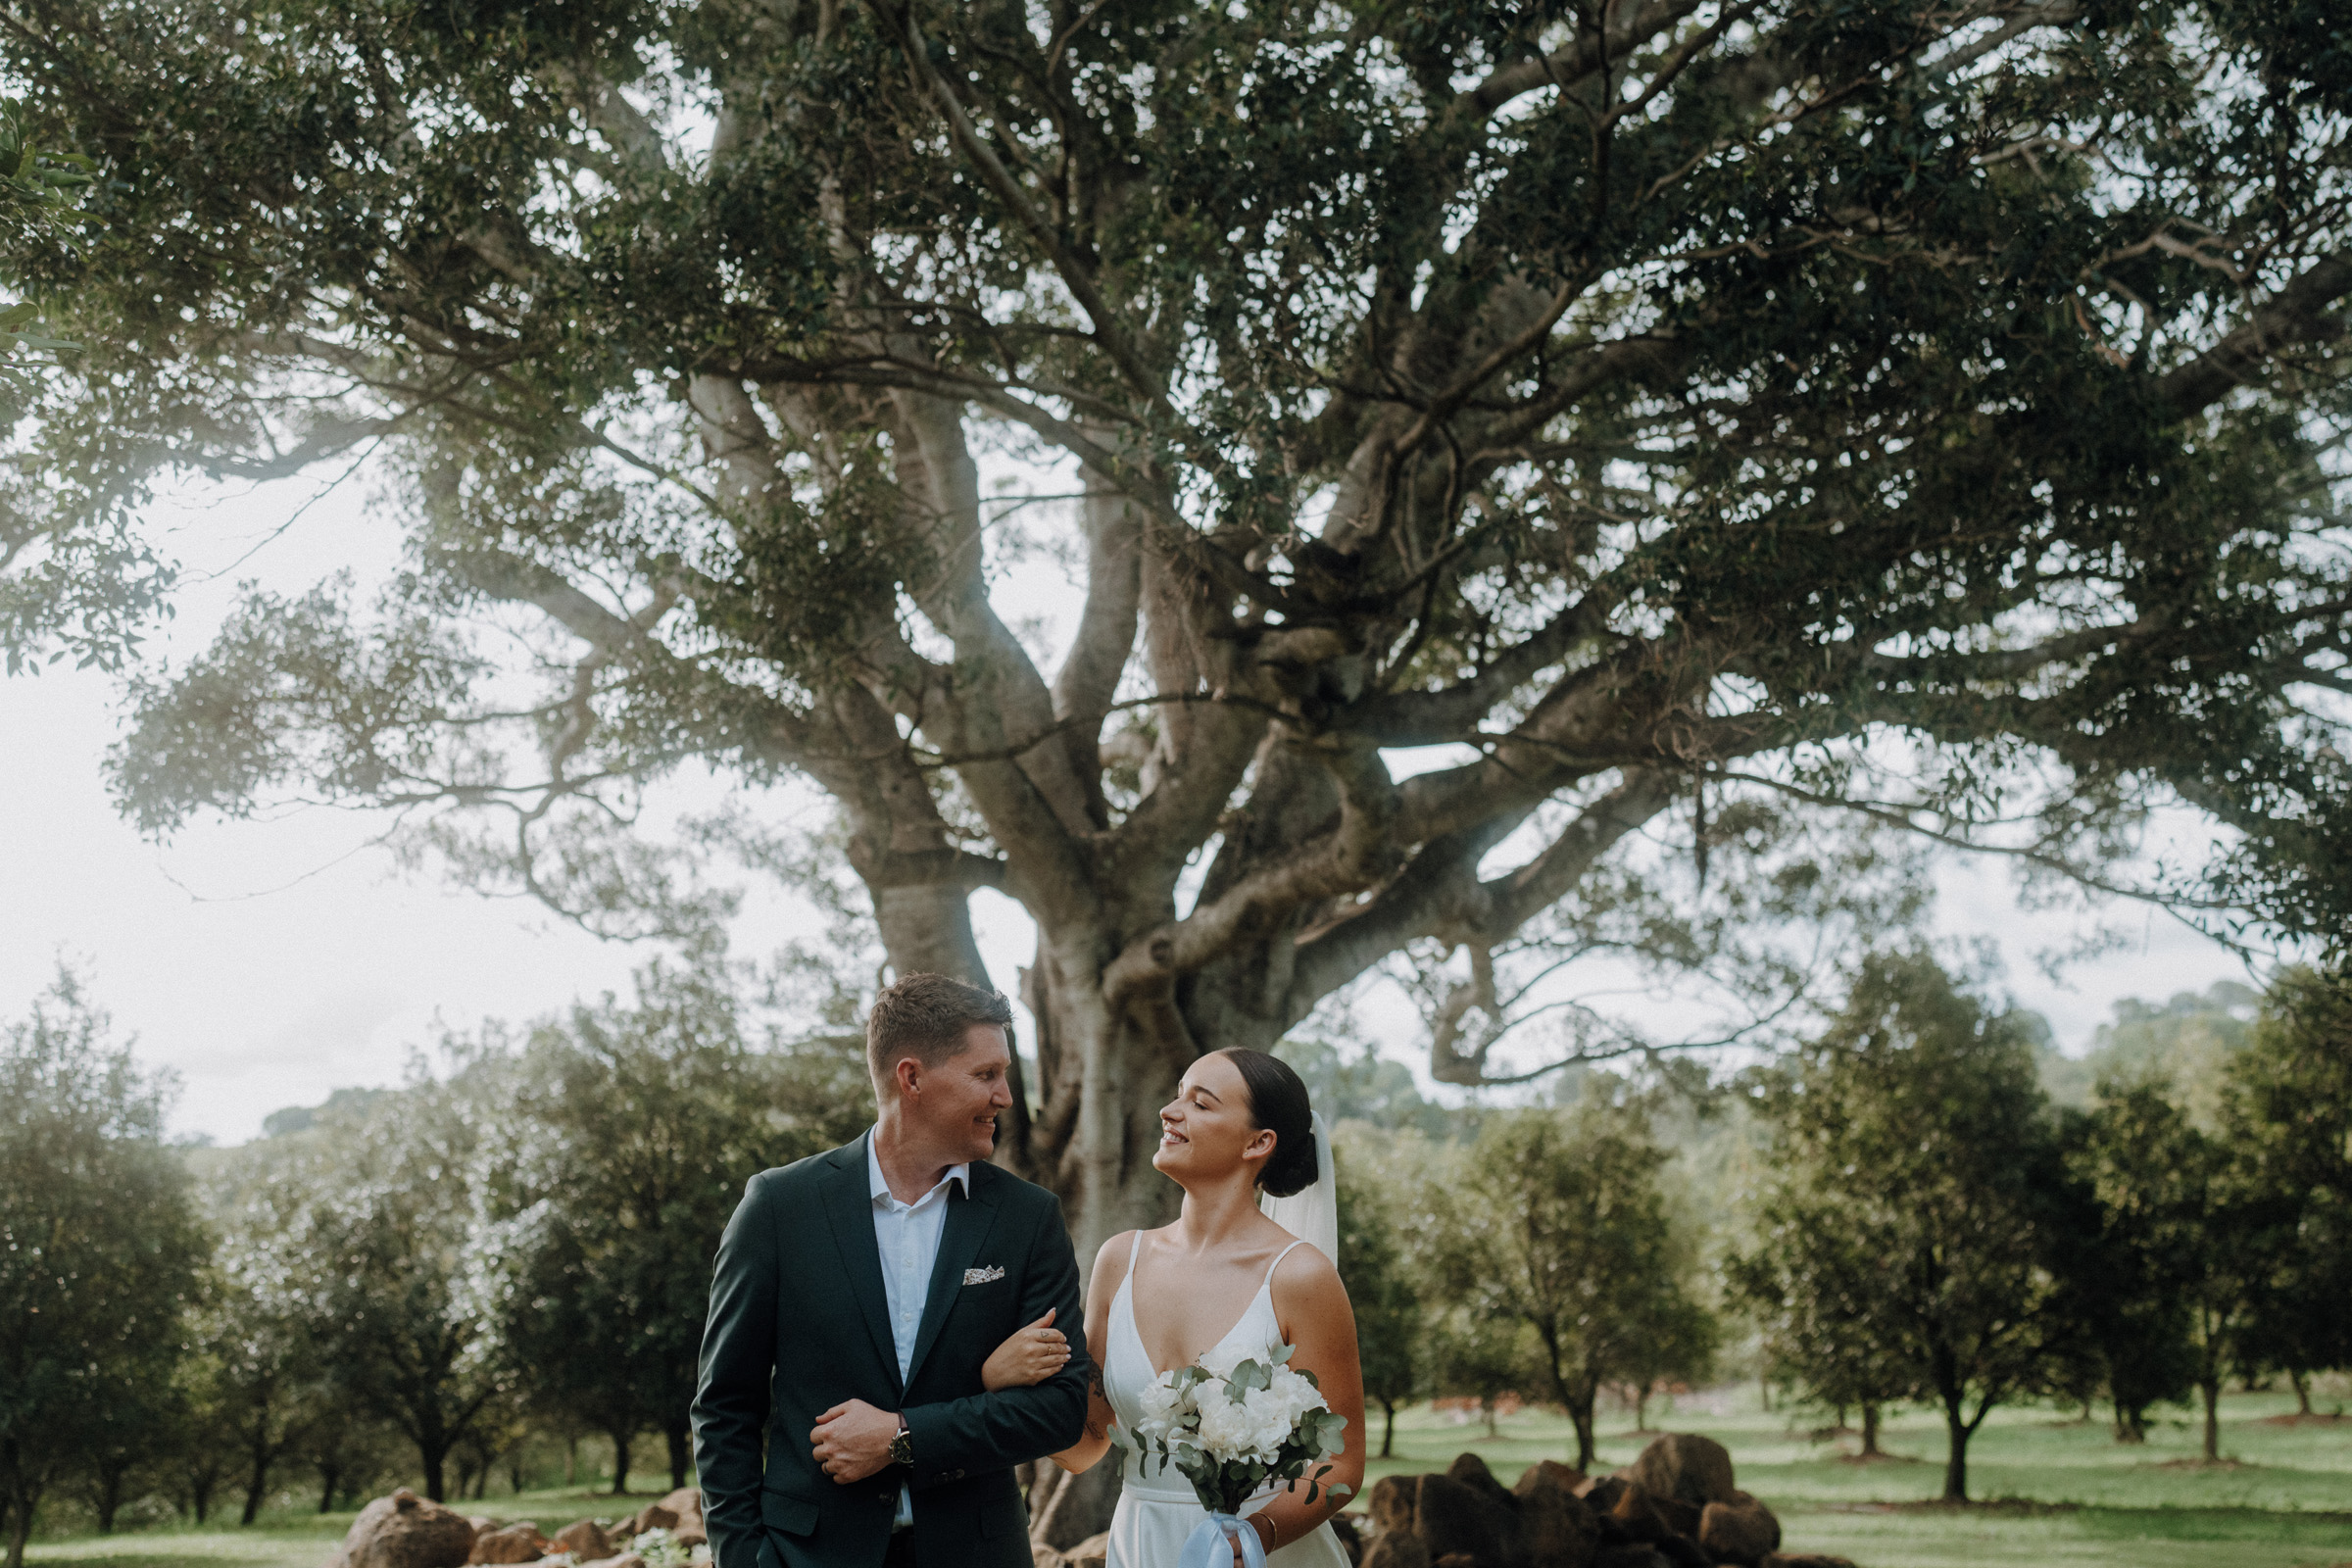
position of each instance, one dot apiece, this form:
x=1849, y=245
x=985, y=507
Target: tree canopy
x=1881, y=412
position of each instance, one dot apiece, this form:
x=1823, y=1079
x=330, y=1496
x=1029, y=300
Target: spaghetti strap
x=1277, y=1263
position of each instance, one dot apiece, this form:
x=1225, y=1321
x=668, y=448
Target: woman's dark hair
x=1278, y=1105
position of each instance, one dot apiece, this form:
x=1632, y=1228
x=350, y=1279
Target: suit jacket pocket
x=781, y=1510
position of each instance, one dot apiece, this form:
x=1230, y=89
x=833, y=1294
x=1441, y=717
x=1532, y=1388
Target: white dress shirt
x=907, y=1238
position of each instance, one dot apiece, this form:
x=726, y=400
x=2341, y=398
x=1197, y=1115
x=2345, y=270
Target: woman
x=1224, y=1276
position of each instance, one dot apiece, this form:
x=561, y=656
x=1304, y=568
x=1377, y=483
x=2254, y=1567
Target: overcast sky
x=271, y=961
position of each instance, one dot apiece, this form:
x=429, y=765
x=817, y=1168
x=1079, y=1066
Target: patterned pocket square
x=984, y=1276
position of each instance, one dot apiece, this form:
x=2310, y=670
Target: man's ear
x=906, y=1074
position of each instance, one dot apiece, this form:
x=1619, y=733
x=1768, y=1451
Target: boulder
x=1601, y=1493
x=405, y=1531
x=1391, y=1503
x=1454, y=1516
x=1472, y=1472
x=1683, y=1552
x=1739, y=1529
x=1686, y=1467
x=1630, y=1554
x=517, y=1543
x=1351, y=1541
x=1556, y=1529
x=627, y=1559
x=1395, y=1549
x=1637, y=1515
x=585, y=1539
x=654, y=1516
x=687, y=1503
x=1042, y=1556
x=1552, y=1472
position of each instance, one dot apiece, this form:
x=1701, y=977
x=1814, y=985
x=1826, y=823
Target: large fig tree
x=1707, y=417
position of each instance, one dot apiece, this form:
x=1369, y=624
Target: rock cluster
x=405, y=1531
x=1674, y=1507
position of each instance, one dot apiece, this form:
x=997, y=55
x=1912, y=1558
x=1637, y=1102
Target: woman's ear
x=1260, y=1145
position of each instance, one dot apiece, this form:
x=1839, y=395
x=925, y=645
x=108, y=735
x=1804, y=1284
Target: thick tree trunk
x=2211, y=1388
x=1388, y=1431
x=681, y=1454
x=2302, y=1385
x=1870, y=1430
x=328, y=1475
x=435, y=1459
x=20, y=1526
x=620, y=1463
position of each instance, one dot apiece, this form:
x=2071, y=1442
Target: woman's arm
x=1311, y=1305
x=1111, y=1267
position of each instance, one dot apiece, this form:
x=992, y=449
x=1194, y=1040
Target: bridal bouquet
x=1231, y=1431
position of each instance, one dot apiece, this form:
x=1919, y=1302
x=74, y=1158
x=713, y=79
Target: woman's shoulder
x=1304, y=1272
x=1112, y=1256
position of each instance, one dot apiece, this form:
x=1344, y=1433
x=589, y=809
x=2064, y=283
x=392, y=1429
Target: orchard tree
x=99, y=1251
x=1382, y=1222
x=1555, y=1223
x=621, y=1140
x=1715, y=421
x=1919, y=1222
x=378, y=1212
x=2212, y=1232
x=2288, y=1110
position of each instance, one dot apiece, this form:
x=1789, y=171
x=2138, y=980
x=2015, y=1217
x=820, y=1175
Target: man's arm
x=1011, y=1426
x=738, y=1358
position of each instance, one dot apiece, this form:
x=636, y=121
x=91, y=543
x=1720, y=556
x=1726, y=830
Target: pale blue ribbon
x=1209, y=1546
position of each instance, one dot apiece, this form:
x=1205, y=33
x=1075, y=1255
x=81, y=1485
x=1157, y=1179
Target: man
x=856, y=1297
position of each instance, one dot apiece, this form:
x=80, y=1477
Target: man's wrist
x=902, y=1443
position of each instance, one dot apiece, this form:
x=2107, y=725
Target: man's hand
x=852, y=1440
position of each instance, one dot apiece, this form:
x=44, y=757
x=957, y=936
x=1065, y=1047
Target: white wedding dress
x=1157, y=1509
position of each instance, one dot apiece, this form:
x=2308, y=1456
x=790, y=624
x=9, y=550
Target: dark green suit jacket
x=798, y=1323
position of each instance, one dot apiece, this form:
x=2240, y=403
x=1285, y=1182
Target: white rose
x=1161, y=1404
x=1226, y=1428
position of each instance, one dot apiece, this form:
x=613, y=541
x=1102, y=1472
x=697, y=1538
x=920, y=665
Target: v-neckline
x=1127, y=1286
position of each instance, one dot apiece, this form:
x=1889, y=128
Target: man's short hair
x=926, y=1017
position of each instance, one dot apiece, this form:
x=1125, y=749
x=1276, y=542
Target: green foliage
x=2288, y=1116
x=1553, y=1224
x=1722, y=423
x=1913, y=1238
x=1377, y=1178
x=617, y=1143
x=2186, y=1042
x=2197, y=1226
x=99, y=1251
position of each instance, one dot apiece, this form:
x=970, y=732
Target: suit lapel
x=850, y=1209
x=969, y=1220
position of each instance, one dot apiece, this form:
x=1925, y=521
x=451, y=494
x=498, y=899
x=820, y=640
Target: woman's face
x=1209, y=1129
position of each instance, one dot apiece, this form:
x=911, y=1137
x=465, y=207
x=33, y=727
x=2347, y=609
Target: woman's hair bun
x=1278, y=1104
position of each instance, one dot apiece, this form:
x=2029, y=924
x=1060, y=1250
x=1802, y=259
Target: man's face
x=956, y=1104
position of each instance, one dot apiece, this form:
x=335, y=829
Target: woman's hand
x=1032, y=1355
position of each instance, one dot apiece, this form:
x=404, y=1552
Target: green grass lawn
x=2064, y=1494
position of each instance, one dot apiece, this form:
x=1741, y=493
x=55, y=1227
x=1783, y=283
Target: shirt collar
x=879, y=1189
